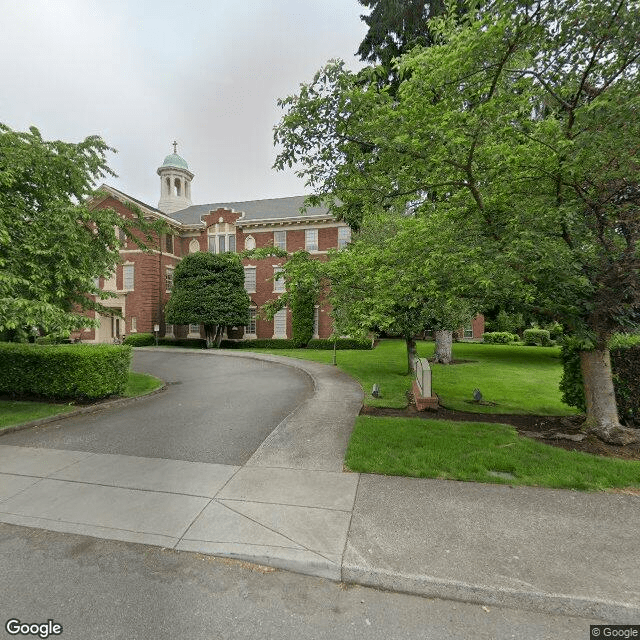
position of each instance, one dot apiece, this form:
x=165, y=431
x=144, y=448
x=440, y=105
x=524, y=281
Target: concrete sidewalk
x=291, y=506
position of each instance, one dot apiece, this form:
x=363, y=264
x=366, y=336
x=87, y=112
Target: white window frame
x=168, y=331
x=134, y=324
x=255, y=282
x=279, y=285
x=280, y=318
x=168, y=279
x=221, y=231
x=311, y=240
x=128, y=268
x=467, y=329
x=316, y=321
x=194, y=334
x=253, y=318
x=344, y=241
x=282, y=244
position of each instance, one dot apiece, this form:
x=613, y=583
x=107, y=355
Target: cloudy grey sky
x=207, y=73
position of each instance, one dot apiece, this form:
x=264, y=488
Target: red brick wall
x=478, y=326
x=149, y=287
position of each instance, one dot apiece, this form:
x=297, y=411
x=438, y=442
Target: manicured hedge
x=275, y=343
x=499, y=337
x=341, y=343
x=625, y=365
x=140, y=339
x=189, y=343
x=537, y=337
x=78, y=371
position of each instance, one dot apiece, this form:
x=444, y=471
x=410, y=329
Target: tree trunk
x=444, y=342
x=411, y=354
x=209, y=334
x=219, y=333
x=602, y=411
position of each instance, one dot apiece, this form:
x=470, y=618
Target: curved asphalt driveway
x=215, y=410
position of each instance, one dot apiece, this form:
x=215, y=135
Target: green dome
x=174, y=160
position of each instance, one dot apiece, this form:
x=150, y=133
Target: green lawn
x=478, y=452
x=14, y=412
x=140, y=384
x=518, y=379
x=385, y=365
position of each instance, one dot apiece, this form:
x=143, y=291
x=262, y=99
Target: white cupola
x=175, y=183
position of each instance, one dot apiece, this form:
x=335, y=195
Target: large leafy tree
x=209, y=289
x=52, y=243
x=388, y=279
x=520, y=129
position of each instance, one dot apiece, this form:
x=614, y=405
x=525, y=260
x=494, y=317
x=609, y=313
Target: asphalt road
x=216, y=409
x=101, y=589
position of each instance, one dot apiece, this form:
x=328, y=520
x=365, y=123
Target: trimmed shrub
x=537, y=337
x=140, y=339
x=498, y=337
x=341, y=343
x=275, y=343
x=187, y=343
x=79, y=371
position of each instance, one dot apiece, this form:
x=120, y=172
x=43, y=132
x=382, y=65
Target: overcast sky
x=207, y=73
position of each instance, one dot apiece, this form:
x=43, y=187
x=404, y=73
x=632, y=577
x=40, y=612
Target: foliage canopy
x=53, y=243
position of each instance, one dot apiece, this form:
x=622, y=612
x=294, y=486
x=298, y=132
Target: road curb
x=552, y=603
x=108, y=404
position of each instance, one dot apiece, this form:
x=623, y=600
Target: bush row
x=275, y=343
x=625, y=366
x=140, y=339
x=341, y=343
x=499, y=337
x=189, y=343
x=78, y=371
x=537, y=337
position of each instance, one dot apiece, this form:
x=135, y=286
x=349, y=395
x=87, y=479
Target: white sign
x=156, y=327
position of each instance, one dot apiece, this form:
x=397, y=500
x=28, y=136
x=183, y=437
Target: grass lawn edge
x=144, y=385
x=481, y=452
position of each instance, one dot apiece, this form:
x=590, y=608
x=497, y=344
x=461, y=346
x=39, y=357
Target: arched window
x=168, y=189
x=178, y=188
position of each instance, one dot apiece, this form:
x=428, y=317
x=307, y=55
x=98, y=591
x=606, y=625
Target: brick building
x=142, y=281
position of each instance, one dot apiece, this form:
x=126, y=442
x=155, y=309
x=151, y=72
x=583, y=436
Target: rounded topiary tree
x=209, y=289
